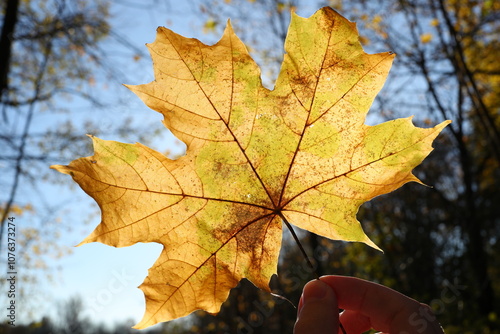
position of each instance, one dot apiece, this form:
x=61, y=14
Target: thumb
x=318, y=311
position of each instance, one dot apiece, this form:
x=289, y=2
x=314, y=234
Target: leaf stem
x=342, y=328
x=294, y=235
x=290, y=228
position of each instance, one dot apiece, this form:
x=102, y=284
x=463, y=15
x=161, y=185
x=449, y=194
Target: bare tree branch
x=24, y=138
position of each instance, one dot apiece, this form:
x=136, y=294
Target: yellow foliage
x=364, y=40
x=336, y=4
x=377, y=19
x=210, y=26
x=18, y=210
x=280, y=7
x=425, y=38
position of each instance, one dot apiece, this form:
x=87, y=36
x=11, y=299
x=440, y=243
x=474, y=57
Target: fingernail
x=315, y=290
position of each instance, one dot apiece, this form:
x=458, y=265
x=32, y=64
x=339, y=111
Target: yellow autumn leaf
x=254, y=158
x=210, y=26
x=426, y=38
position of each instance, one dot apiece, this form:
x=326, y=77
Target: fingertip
x=315, y=290
x=318, y=311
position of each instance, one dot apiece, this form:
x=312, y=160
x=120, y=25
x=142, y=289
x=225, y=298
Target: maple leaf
x=254, y=158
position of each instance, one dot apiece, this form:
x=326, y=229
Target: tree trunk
x=6, y=39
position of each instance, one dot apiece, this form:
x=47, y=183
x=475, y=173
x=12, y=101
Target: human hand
x=367, y=306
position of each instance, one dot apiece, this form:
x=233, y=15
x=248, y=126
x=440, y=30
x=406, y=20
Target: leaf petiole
x=290, y=228
x=294, y=235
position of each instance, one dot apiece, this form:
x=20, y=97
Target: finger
x=318, y=311
x=386, y=309
x=355, y=322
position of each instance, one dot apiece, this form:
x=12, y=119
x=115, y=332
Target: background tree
x=446, y=49
x=441, y=243
x=53, y=56
x=72, y=318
